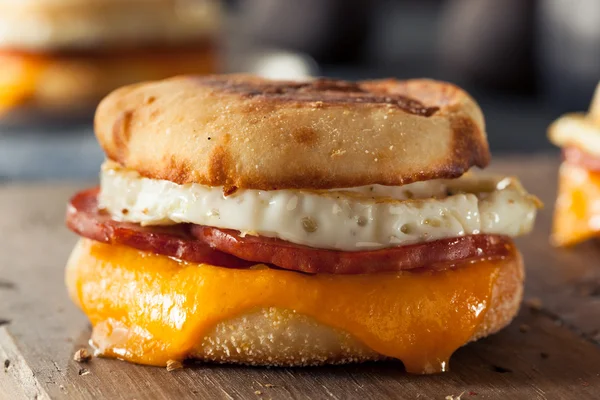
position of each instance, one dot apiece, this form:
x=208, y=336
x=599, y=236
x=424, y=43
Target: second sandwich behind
x=577, y=210
x=59, y=58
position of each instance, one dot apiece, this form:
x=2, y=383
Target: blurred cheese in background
x=577, y=209
x=59, y=57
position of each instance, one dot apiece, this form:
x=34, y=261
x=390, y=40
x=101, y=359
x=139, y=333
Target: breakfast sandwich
x=63, y=56
x=577, y=210
x=277, y=223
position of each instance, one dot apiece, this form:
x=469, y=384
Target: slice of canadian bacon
x=86, y=219
x=223, y=247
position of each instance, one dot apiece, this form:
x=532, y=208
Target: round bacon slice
x=439, y=254
x=85, y=219
x=202, y=244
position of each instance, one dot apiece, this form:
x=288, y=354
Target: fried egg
x=351, y=219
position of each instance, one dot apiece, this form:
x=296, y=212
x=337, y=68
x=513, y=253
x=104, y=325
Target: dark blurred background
x=525, y=61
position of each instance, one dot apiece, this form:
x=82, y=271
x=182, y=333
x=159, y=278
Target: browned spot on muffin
x=305, y=135
x=322, y=91
x=177, y=171
x=229, y=190
x=466, y=147
x=121, y=133
x=218, y=164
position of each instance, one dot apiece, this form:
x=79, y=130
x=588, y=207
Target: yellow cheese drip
x=151, y=308
x=577, y=212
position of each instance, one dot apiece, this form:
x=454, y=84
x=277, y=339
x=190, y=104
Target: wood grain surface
x=551, y=351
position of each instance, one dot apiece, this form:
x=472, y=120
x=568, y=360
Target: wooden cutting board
x=550, y=351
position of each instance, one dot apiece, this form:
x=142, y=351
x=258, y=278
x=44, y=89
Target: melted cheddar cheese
x=150, y=309
x=577, y=212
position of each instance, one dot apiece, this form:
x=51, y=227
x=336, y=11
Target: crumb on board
x=257, y=392
x=584, y=382
x=82, y=356
x=452, y=397
x=173, y=365
x=6, y=364
x=534, y=303
x=84, y=371
x=269, y=385
x=524, y=328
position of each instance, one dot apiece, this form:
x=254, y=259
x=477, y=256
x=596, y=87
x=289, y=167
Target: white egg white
x=366, y=218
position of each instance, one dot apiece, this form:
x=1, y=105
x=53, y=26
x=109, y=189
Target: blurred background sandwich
x=577, y=211
x=59, y=57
